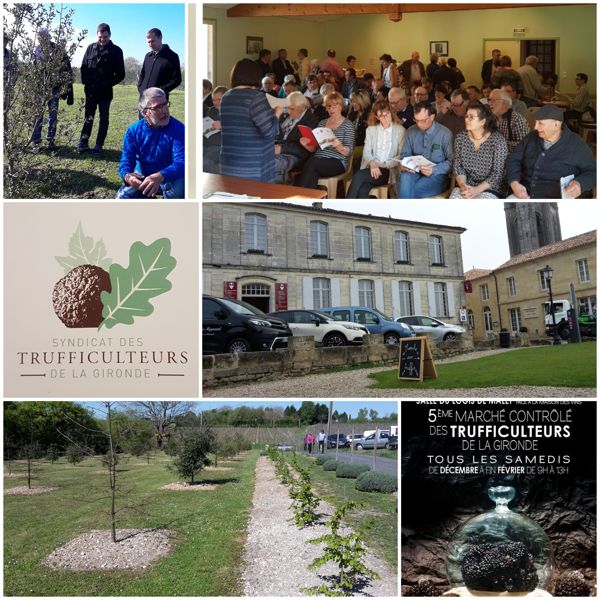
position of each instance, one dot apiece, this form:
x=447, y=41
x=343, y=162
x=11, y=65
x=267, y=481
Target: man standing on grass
x=321, y=438
x=157, y=143
x=161, y=65
x=101, y=69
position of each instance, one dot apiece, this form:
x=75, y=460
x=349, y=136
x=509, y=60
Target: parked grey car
x=437, y=330
x=382, y=441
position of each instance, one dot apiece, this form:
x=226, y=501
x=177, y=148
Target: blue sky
x=351, y=407
x=129, y=24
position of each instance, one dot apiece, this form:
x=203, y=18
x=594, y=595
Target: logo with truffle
x=97, y=292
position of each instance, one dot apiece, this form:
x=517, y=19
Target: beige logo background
x=34, y=233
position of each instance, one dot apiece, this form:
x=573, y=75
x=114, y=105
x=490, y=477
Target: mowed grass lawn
x=87, y=175
x=377, y=520
x=569, y=365
x=209, y=530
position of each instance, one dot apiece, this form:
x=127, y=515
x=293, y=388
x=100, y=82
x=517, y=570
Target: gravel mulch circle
x=188, y=487
x=277, y=555
x=95, y=551
x=23, y=490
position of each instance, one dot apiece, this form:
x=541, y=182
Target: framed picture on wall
x=440, y=48
x=254, y=44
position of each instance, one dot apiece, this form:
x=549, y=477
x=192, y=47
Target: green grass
x=85, y=175
x=209, y=530
x=381, y=453
x=377, y=521
x=570, y=365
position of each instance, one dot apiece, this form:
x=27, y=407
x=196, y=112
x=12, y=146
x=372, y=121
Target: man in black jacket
x=161, y=65
x=101, y=69
x=282, y=67
x=290, y=154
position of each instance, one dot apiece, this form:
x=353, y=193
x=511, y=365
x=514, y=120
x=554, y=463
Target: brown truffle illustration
x=76, y=297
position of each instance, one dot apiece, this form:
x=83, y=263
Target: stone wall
x=303, y=357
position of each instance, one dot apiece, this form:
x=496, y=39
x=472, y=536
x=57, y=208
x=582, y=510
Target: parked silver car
x=436, y=329
x=369, y=442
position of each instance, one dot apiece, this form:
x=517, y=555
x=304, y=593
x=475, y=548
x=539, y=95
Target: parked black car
x=333, y=441
x=235, y=326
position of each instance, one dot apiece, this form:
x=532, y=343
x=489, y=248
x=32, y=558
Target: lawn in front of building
x=568, y=365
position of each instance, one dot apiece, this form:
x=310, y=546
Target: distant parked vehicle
x=437, y=330
x=285, y=447
x=393, y=442
x=374, y=320
x=382, y=441
x=334, y=442
x=325, y=330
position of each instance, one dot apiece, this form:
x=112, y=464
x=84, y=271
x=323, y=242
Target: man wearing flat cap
x=545, y=155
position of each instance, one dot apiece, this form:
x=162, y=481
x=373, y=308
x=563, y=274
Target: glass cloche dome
x=500, y=551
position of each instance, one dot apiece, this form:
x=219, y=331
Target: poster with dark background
x=454, y=451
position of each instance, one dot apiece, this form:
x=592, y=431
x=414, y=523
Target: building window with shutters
x=484, y=291
x=321, y=292
x=487, y=319
x=515, y=319
x=366, y=294
x=362, y=243
x=407, y=306
x=511, y=287
x=319, y=239
x=582, y=269
x=256, y=233
x=441, y=299
x=436, y=250
x=401, y=247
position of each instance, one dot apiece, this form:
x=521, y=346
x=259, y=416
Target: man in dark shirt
x=400, y=105
x=101, y=69
x=282, y=67
x=445, y=75
x=161, y=65
x=264, y=58
x=489, y=66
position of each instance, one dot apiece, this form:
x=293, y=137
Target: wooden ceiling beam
x=394, y=11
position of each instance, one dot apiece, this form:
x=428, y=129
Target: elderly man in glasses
x=156, y=145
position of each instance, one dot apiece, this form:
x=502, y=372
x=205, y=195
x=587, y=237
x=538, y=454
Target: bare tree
x=162, y=414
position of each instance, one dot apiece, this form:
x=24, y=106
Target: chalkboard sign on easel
x=416, y=360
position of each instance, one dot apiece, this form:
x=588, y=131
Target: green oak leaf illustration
x=133, y=287
x=83, y=251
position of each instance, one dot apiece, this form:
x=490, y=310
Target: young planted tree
x=193, y=454
x=345, y=551
x=304, y=501
x=75, y=454
x=30, y=452
x=53, y=453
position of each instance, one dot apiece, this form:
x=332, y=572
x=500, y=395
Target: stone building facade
x=513, y=295
x=281, y=256
x=531, y=225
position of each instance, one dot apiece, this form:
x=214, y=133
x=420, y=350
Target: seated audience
x=531, y=80
x=156, y=143
x=389, y=73
x=454, y=119
x=474, y=95
x=311, y=91
x=289, y=152
x=383, y=144
x=400, y=105
x=319, y=110
x=506, y=74
x=426, y=83
x=479, y=156
x=207, y=87
x=511, y=124
x=580, y=103
x=267, y=86
x=545, y=155
x=420, y=94
x=458, y=74
x=517, y=105
x=290, y=82
x=333, y=160
x=486, y=90
x=212, y=145
x=350, y=83
x=367, y=82
x=248, y=126
x=441, y=105
x=360, y=110
x=378, y=90
x=433, y=141
x=281, y=67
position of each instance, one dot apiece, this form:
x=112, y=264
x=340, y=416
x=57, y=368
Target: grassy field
x=209, y=530
x=85, y=175
x=570, y=365
x=377, y=521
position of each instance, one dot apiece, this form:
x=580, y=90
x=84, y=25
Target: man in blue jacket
x=544, y=156
x=157, y=144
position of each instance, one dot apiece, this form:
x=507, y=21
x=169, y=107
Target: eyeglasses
x=472, y=118
x=159, y=106
x=383, y=115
